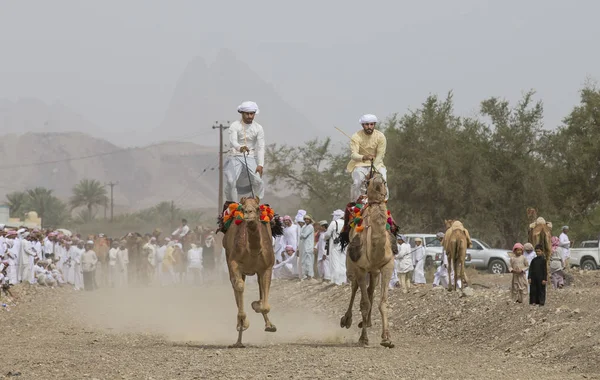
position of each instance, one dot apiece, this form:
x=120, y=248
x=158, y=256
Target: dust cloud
x=203, y=315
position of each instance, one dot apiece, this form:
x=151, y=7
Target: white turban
x=299, y=218
x=368, y=118
x=25, y=234
x=248, y=107
x=90, y=242
x=300, y=215
x=337, y=214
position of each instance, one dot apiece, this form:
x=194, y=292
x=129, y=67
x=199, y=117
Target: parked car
x=480, y=256
x=589, y=244
x=585, y=258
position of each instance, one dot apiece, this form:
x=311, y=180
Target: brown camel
x=370, y=253
x=101, y=248
x=249, y=250
x=540, y=232
x=456, y=241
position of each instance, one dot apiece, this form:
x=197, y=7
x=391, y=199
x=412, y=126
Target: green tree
x=312, y=171
x=39, y=200
x=88, y=193
x=15, y=202
x=573, y=154
x=57, y=213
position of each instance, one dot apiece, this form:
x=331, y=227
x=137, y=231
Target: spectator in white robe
x=194, y=265
x=160, y=255
x=12, y=258
x=286, y=269
x=322, y=261
x=441, y=274
x=246, y=155
x=68, y=273
x=26, y=256
x=565, y=244
x=77, y=268
x=112, y=264
x=89, y=260
x=278, y=248
x=529, y=254
x=49, y=242
x=290, y=232
x=307, y=248
x=337, y=257
x=122, y=264
x=403, y=265
x=419, y=262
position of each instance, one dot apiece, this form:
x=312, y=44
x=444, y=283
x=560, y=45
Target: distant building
x=31, y=219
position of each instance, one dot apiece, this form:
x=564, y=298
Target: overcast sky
x=116, y=62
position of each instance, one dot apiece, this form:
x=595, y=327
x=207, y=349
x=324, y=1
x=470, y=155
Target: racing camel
x=248, y=229
x=369, y=253
x=456, y=241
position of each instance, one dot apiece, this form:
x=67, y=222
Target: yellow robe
x=362, y=144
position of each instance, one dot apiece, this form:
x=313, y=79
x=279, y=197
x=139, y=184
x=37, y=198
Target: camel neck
x=253, y=235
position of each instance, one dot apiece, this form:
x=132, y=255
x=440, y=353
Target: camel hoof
x=271, y=328
x=346, y=322
x=363, y=342
x=360, y=325
x=256, y=306
x=387, y=344
x=237, y=345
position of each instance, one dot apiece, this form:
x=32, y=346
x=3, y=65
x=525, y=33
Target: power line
x=120, y=150
x=188, y=190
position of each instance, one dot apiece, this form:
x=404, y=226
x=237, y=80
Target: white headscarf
x=300, y=215
x=248, y=106
x=368, y=118
x=337, y=214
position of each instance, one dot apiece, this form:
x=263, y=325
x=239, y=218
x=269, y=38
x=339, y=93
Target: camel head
x=251, y=209
x=448, y=222
x=531, y=214
x=376, y=190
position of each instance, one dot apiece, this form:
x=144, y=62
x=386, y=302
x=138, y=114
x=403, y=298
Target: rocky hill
x=161, y=172
x=183, y=172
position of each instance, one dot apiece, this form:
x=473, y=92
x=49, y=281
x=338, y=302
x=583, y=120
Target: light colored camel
x=249, y=250
x=456, y=241
x=540, y=233
x=369, y=253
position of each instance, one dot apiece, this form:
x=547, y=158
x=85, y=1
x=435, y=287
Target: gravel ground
x=183, y=333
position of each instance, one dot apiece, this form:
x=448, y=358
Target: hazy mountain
x=182, y=172
x=208, y=93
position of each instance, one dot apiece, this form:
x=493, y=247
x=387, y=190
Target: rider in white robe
x=246, y=156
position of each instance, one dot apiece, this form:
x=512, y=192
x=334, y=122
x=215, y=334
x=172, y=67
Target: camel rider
x=246, y=155
x=367, y=148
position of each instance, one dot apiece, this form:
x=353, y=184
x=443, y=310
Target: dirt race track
x=183, y=333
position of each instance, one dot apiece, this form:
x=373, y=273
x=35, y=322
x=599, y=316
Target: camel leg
x=262, y=306
x=463, y=273
x=365, y=306
x=450, y=268
x=386, y=275
x=346, y=320
x=371, y=291
x=238, y=283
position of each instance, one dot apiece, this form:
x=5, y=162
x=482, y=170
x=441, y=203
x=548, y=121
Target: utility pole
x=112, y=185
x=172, y=214
x=221, y=127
